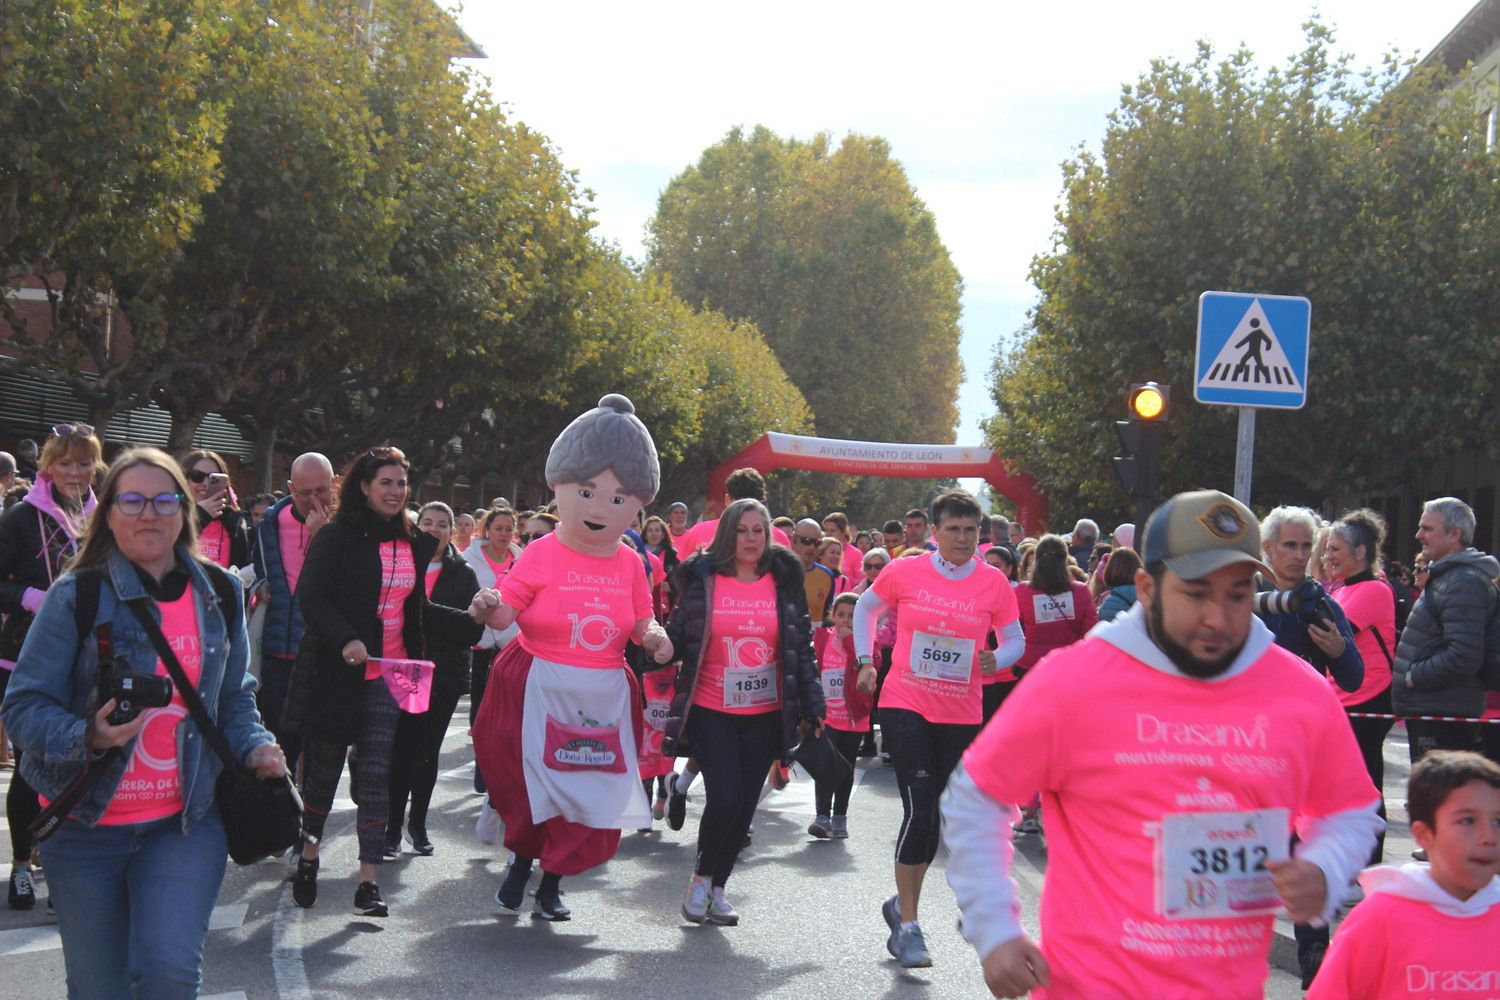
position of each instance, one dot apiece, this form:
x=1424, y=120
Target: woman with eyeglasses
x=37, y=538
x=135, y=870
x=363, y=602
x=449, y=581
x=223, y=529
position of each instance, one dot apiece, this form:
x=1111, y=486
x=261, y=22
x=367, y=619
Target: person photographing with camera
x=135, y=868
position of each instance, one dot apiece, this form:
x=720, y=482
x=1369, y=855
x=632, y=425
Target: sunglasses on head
x=73, y=430
x=386, y=453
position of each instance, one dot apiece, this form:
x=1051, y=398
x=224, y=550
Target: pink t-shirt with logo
x=833, y=673
x=573, y=608
x=398, y=575
x=741, y=649
x=1394, y=948
x=213, y=543
x=295, y=539
x=1272, y=737
x=1369, y=605
x=941, y=627
x=150, y=789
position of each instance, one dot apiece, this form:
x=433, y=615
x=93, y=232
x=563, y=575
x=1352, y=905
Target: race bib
x=833, y=684
x=1213, y=864
x=657, y=712
x=750, y=687
x=943, y=658
x=1052, y=607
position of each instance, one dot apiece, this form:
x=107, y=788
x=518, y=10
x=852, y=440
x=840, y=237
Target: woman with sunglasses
x=136, y=869
x=223, y=529
x=363, y=602
x=37, y=538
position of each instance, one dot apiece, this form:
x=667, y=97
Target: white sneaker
x=720, y=912
x=487, y=826
x=695, y=903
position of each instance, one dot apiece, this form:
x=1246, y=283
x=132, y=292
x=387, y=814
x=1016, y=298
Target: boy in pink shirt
x=1429, y=930
x=1178, y=748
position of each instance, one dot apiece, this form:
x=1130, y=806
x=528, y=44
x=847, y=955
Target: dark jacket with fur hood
x=801, y=692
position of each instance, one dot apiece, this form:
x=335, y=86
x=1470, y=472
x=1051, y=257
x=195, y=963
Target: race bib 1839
x=1213, y=864
x=750, y=687
x=944, y=658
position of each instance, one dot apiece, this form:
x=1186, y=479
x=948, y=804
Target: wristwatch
x=865, y=661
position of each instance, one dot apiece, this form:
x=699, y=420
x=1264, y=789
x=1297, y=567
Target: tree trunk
x=184, y=427
x=265, y=454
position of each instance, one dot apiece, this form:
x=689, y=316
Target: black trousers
x=270, y=698
x=833, y=800
x=925, y=754
x=1426, y=736
x=1370, y=735
x=995, y=695
x=734, y=752
x=414, y=759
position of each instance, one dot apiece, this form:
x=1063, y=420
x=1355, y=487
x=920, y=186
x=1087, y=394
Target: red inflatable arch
x=906, y=461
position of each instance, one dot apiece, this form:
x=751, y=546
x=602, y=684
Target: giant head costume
x=603, y=469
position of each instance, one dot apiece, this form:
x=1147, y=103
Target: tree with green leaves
x=1370, y=194
x=838, y=263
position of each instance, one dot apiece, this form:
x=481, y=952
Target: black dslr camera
x=133, y=692
x=1309, y=603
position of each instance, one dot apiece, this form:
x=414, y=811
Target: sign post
x=1252, y=353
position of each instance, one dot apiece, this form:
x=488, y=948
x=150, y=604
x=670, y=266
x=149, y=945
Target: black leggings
x=1370, y=735
x=734, y=752
x=995, y=695
x=479, y=678
x=21, y=810
x=325, y=764
x=925, y=754
x=414, y=758
x=837, y=796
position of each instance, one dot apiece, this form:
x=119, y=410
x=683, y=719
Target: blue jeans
x=133, y=904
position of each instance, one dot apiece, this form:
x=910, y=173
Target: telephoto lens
x=1276, y=602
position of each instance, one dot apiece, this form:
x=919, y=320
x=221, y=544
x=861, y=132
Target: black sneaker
x=676, y=809
x=549, y=906
x=367, y=901
x=22, y=889
x=512, y=892
x=305, y=883
x=421, y=844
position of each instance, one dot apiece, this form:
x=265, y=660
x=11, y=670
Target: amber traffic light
x=1148, y=402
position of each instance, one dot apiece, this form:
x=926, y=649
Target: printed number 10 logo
x=592, y=632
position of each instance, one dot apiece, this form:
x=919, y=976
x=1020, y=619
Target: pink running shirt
x=576, y=609
x=742, y=649
x=150, y=788
x=941, y=626
x=1393, y=948
x=1369, y=605
x=213, y=543
x=1115, y=747
x=294, y=539
x=398, y=575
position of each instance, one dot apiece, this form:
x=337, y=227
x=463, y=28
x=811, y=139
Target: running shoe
x=659, y=807
x=885, y=756
x=720, y=912
x=549, y=906
x=487, y=824
x=305, y=883
x=841, y=828
x=22, y=889
x=891, y=911
x=676, y=809
x=822, y=828
x=695, y=903
x=1030, y=823
x=421, y=844
x=512, y=892
x=911, y=948
x=1419, y=855
x=392, y=849
x=367, y=901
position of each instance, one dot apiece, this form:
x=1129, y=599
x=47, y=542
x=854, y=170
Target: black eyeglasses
x=73, y=430
x=134, y=504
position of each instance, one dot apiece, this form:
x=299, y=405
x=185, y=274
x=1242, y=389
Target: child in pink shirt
x=1429, y=930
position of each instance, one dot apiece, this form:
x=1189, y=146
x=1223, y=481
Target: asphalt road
x=810, y=924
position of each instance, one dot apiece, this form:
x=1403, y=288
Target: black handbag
x=821, y=759
x=262, y=817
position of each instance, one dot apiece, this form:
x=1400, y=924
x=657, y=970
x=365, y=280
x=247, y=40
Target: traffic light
x=1147, y=404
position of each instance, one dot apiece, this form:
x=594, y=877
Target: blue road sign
x=1252, y=350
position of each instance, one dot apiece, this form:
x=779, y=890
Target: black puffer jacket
x=801, y=692
x=1442, y=647
x=455, y=587
x=340, y=594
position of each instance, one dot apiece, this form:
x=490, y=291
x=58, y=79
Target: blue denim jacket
x=53, y=690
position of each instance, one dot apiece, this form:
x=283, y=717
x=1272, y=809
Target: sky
x=981, y=102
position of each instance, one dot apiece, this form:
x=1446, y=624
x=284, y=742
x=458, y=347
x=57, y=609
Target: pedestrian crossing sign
x=1252, y=350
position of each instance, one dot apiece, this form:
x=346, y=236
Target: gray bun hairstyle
x=608, y=437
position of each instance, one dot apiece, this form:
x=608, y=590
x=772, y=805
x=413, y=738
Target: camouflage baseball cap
x=1200, y=532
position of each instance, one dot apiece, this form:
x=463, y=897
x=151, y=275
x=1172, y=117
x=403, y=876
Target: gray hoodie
x=1442, y=647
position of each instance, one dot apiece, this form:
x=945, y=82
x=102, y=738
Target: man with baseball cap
x=1176, y=750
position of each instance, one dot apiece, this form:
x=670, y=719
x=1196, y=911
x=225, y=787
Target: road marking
x=236, y=995
x=25, y=940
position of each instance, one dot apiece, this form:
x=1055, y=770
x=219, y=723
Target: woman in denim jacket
x=135, y=871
